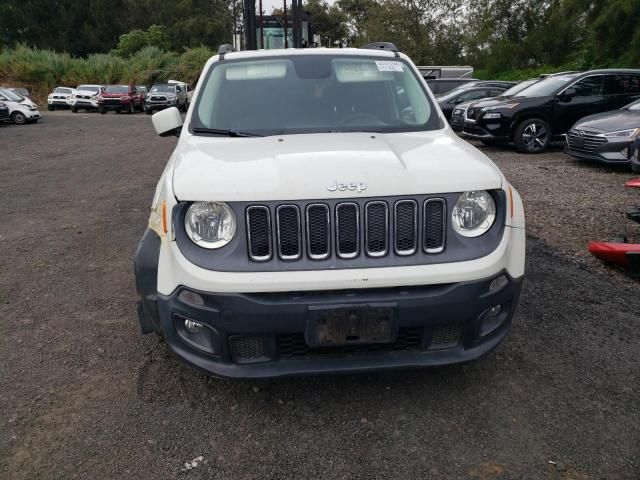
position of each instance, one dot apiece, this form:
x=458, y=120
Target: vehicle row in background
x=121, y=98
x=18, y=109
x=550, y=107
x=469, y=92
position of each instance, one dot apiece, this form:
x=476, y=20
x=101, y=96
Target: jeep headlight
x=473, y=213
x=210, y=224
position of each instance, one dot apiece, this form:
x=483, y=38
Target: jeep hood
x=296, y=167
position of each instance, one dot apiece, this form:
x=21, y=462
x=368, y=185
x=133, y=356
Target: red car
x=121, y=98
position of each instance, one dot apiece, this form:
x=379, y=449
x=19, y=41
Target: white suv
x=319, y=215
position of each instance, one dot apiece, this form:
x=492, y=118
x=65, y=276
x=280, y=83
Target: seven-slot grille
x=585, y=143
x=376, y=227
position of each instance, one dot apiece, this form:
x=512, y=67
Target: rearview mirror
x=167, y=122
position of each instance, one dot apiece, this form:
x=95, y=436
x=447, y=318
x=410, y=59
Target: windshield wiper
x=229, y=133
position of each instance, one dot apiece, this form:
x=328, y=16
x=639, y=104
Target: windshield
x=163, y=88
x=518, y=88
x=141, y=89
x=546, y=87
x=633, y=106
x=62, y=90
x=117, y=89
x=11, y=95
x=455, y=91
x=313, y=94
x=89, y=88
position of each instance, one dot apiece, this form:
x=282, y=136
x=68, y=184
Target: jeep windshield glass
x=313, y=94
x=546, y=87
x=117, y=89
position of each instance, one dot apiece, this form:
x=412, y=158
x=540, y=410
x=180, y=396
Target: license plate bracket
x=351, y=325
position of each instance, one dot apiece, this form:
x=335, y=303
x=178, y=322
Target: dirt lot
x=84, y=395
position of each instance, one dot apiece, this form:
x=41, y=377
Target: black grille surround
x=320, y=248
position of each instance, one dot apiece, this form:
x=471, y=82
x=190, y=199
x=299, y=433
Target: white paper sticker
x=389, y=66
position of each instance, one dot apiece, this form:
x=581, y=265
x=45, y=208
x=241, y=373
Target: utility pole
x=286, y=33
x=261, y=28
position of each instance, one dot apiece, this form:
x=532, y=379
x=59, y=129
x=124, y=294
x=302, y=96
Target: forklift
x=292, y=29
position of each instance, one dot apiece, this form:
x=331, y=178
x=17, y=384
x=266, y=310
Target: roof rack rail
x=382, y=46
x=226, y=48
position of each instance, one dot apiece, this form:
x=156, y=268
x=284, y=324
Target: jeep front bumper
x=444, y=314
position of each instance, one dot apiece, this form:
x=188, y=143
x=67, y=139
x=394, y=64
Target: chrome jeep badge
x=352, y=186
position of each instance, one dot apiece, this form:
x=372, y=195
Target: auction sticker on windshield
x=389, y=66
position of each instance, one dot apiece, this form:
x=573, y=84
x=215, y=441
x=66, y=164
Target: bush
x=42, y=70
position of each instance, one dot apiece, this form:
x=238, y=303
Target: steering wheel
x=364, y=116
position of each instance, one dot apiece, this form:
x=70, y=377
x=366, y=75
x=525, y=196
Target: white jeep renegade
x=319, y=215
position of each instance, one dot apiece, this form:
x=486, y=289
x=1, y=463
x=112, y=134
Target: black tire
x=532, y=136
x=18, y=118
x=489, y=142
x=51, y=108
x=102, y=111
x=74, y=109
x=635, y=167
x=130, y=108
x=148, y=111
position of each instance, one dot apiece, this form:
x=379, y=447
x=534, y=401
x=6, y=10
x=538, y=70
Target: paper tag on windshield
x=389, y=66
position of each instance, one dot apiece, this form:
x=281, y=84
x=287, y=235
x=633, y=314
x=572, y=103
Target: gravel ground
x=84, y=395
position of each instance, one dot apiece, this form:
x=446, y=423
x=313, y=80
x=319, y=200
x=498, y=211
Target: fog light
x=498, y=283
x=192, y=327
x=191, y=298
x=491, y=319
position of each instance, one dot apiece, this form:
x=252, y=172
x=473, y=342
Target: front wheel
x=18, y=118
x=51, y=108
x=635, y=167
x=130, y=108
x=102, y=111
x=148, y=111
x=532, y=136
x=74, y=109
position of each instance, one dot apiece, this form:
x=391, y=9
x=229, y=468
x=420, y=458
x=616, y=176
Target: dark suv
x=550, y=107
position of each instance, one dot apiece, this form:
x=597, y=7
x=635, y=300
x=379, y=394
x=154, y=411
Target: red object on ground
x=635, y=183
x=614, y=252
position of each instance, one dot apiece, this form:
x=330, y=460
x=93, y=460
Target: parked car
x=550, y=107
x=86, y=97
x=142, y=90
x=21, y=109
x=164, y=95
x=440, y=86
x=120, y=98
x=185, y=88
x=60, y=98
x=457, y=96
x=332, y=236
x=4, y=112
x=23, y=92
x=457, y=117
x=606, y=137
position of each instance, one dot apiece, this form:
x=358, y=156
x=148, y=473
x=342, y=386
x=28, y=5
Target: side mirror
x=568, y=94
x=167, y=122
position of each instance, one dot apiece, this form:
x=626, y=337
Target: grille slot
x=376, y=228
x=247, y=349
x=445, y=336
x=259, y=233
x=434, y=225
x=347, y=230
x=318, y=231
x=406, y=227
x=289, y=233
